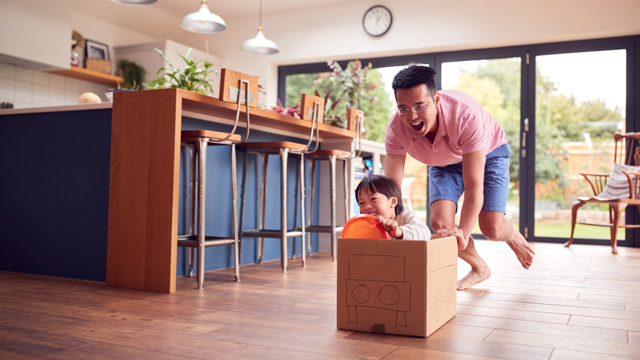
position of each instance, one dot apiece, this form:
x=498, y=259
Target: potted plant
x=194, y=76
x=350, y=84
x=132, y=73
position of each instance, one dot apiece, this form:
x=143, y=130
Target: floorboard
x=577, y=303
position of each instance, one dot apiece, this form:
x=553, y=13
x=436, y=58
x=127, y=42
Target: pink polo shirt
x=463, y=127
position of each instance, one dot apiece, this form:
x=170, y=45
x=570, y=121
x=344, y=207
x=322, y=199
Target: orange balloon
x=364, y=227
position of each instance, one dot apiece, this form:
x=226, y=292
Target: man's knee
x=495, y=228
x=441, y=222
x=443, y=213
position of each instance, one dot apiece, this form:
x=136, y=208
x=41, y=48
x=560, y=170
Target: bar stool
x=198, y=142
x=355, y=118
x=312, y=109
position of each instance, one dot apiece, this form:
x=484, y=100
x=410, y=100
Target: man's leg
x=495, y=226
x=442, y=216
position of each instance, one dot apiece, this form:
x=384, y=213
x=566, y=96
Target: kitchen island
x=61, y=216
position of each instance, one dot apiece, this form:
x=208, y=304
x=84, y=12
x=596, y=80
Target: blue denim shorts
x=445, y=183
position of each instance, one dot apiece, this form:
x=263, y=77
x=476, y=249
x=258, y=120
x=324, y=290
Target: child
x=381, y=196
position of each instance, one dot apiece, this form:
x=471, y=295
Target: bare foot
x=473, y=277
x=523, y=250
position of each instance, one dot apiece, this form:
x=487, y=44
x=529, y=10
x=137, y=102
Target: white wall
x=335, y=31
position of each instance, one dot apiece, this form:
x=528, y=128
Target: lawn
x=564, y=230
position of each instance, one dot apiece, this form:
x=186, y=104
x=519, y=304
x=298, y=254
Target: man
x=467, y=151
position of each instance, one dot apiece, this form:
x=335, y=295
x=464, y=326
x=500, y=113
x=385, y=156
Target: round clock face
x=377, y=20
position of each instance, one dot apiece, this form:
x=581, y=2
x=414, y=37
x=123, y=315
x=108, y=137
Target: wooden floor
x=578, y=303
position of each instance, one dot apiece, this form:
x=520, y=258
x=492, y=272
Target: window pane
x=580, y=104
x=495, y=84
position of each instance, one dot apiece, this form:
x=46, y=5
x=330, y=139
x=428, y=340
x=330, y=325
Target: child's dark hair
x=383, y=185
x=414, y=75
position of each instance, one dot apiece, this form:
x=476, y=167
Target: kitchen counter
x=93, y=191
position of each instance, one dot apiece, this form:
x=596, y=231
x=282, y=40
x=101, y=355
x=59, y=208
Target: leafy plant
x=350, y=84
x=353, y=80
x=331, y=116
x=194, y=76
x=132, y=74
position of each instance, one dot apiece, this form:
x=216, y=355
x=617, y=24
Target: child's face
x=377, y=204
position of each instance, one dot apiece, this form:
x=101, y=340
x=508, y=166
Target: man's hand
x=457, y=232
x=391, y=226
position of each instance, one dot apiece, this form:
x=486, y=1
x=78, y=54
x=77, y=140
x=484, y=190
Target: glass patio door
x=496, y=85
x=580, y=102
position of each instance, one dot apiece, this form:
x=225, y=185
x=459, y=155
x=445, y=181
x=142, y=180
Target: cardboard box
x=99, y=65
x=402, y=287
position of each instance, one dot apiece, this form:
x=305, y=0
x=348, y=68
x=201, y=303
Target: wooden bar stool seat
x=209, y=136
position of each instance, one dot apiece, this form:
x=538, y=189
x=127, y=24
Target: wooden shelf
x=89, y=75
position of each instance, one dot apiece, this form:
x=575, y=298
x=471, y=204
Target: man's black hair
x=414, y=75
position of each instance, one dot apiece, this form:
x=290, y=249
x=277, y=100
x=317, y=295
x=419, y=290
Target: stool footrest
x=192, y=241
x=322, y=228
x=270, y=233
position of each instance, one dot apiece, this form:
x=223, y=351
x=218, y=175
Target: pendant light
x=203, y=21
x=135, y=2
x=260, y=45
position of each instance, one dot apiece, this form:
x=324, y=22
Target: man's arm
x=473, y=178
x=394, y=167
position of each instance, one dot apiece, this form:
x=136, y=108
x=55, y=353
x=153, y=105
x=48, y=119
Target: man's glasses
x=404, y=111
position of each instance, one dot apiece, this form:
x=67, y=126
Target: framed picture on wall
x=96, y=50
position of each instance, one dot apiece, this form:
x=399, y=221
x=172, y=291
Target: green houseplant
x=132, y=73
x=194, y=76
x=344, y=86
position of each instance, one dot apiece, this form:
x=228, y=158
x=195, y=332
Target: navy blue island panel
x=55, y=195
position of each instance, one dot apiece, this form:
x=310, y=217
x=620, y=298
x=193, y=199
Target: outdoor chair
x=618, y=189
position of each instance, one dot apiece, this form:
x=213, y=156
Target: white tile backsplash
x=41, y=78
x=7, y=72
x=24, y=75
x=27, y=88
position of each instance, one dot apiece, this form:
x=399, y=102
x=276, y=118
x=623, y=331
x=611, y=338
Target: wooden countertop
x=209, y=106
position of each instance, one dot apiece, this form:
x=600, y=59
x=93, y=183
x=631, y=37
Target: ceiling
x=152, y=18
x=241, y=7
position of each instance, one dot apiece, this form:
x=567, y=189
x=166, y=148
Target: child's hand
x=392, y=226
x=457, y=232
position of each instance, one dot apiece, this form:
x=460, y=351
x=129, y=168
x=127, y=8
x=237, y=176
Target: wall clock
x=377, y=20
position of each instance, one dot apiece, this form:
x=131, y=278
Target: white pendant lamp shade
x=260, y=45
x=203, y=21
x=135, y=2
